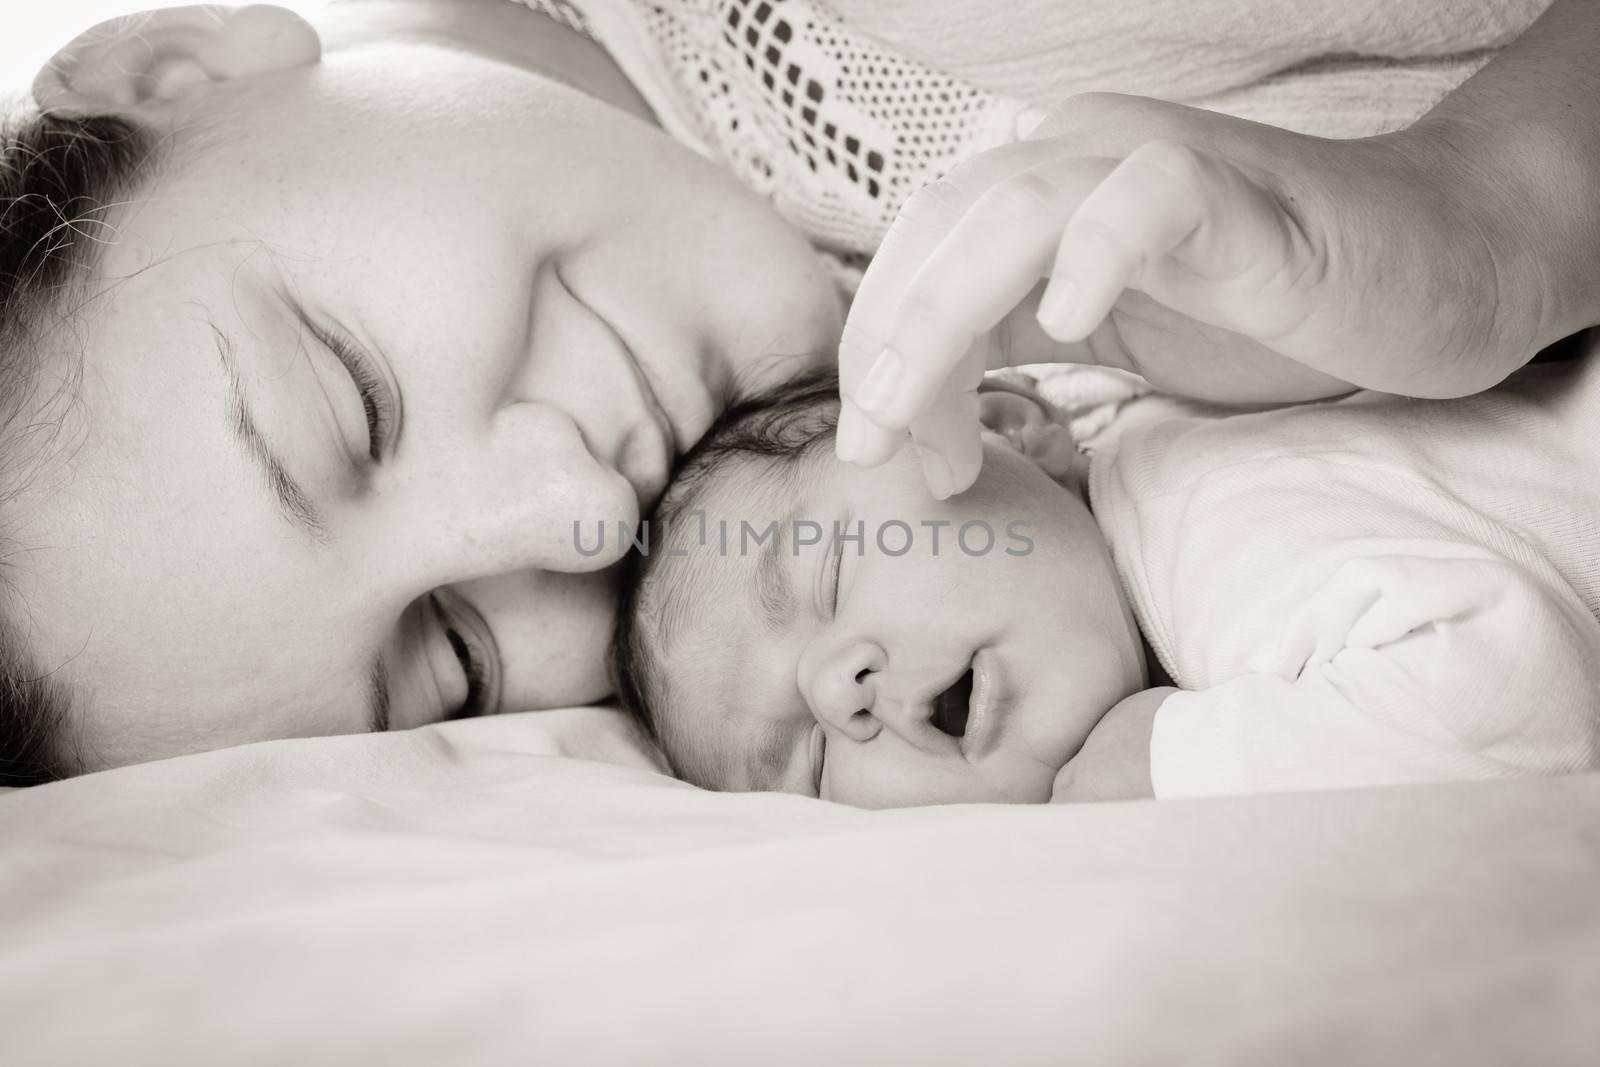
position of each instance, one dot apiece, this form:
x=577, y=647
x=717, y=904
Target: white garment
x=837, y=110
x=840, y=109
x=835, y=128
x=1370, y=591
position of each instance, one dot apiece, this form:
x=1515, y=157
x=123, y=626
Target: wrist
x=1530, y=203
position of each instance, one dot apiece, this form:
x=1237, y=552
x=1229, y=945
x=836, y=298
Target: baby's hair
x=775, y=427
x=58, y=174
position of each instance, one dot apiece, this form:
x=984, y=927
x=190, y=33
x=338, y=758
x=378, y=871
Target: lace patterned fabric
x=835, y=129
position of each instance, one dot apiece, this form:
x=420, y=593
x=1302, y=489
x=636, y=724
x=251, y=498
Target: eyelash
x=471, y=666
x=473, y=705
x=838, y=569
x=374, y=398
x=819, y=758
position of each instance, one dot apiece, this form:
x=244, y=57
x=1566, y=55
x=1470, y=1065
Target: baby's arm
x=1114, y=763
x=1451, y=663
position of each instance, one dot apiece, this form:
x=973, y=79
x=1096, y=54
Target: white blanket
x=456, y=895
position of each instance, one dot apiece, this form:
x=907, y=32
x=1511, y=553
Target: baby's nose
x=840, y=684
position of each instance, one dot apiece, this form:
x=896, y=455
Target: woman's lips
x=651, y=445
x=658, y=412
x=644, y=452
x=681, y=405
x=692, y=391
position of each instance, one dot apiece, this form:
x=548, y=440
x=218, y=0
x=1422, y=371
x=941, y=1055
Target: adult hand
x=1219, y=258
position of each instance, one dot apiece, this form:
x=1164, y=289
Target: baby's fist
x=1114, y=762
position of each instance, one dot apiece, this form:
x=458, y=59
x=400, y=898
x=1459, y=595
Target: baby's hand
x=1114, y=763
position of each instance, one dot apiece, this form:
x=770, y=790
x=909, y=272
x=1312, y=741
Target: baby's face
x=957, y=651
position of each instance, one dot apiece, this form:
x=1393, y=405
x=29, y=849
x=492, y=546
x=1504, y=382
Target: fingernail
x=1056, y=308
x=941, y=480
x=882, y=381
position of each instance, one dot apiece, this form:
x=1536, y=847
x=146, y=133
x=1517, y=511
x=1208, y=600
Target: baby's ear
x=1028, y=425
x=141, y=61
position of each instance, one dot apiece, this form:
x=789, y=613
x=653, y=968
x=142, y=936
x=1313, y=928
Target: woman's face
x=532, y=298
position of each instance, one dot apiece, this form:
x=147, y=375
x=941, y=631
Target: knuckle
x=936, y=204
x=1021, y=198
x=1178, y=161
x=931, y=304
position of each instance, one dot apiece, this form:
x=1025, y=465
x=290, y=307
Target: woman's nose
x=524, y=493
x=839, y=682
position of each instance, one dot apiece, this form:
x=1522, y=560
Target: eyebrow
x=293, y=502
x=773, y=591
x=774, y=595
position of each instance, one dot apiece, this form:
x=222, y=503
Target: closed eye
x=382, y=402
x=376, y=401
x=836, y=561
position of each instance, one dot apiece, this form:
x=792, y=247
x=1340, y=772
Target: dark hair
x=57, y=176
x=779, y=425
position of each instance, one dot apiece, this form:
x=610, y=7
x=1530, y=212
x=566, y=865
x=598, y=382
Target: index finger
x=984, y=268
x=924, y=223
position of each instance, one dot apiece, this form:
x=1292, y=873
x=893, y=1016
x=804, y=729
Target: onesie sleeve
x=1400, y=668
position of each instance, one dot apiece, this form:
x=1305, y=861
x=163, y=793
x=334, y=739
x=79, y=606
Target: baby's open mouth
x=951, y=707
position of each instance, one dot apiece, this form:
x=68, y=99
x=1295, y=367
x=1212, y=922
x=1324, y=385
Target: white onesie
x=1374, y=590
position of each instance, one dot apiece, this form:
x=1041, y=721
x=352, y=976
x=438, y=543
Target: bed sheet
x=473, y=894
